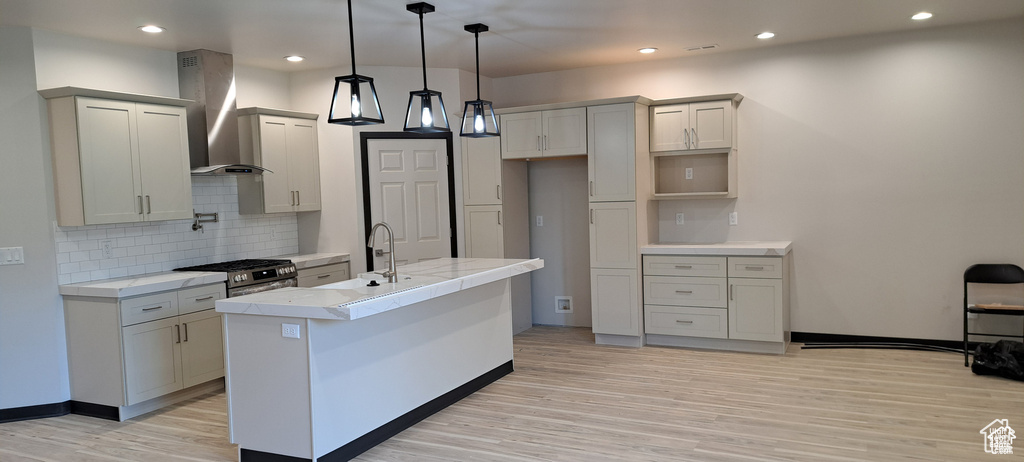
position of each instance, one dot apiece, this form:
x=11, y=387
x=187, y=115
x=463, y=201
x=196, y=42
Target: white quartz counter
x=142, y=284
x=350, y=300
x=739, y=248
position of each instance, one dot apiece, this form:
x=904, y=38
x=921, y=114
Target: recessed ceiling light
x=152, y=29
x=648, y=50
x=294, y=58
x=766, y=35
x=921, y=16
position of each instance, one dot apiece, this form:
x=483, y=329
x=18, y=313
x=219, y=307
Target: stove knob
x=245, y=277
x=237, y=278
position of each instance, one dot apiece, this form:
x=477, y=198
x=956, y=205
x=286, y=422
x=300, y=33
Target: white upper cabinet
x=552, y=133
x=611, y=162
x=285, y=143
x=118, y=161
x=699, y=125
x=481, y=171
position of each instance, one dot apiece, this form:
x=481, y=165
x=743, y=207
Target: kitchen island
x=325, y=373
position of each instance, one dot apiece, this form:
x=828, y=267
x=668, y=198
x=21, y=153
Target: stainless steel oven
x=252, y=276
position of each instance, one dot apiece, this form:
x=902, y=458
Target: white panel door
x=152, y=359
x=409, y=192
x=613, y=235
x=755, y=309
x=303, y=164
x=111, y=184
x=277, y=192
x=164, y=161
x=611, y=160
x=202, y=347
x=615, y=302
x=565, y=132
x=485, y=237
x=481, y=171
x=521, y=135
x=669, y=126
x=711, y=125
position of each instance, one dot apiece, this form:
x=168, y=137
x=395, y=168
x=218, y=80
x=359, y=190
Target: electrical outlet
x=540, y=220
x=734, y=219
x=689, y=173
x=108, y=249
x=290, y=331
x=679, y=219
x=273, y=233
x=563, y=304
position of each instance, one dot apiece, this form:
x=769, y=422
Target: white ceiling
x=526, y=36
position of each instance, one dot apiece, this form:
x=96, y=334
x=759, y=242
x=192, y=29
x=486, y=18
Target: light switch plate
x=12, y=256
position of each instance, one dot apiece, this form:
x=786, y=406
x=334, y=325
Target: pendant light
x=359, y=105
x=478, y=119
x=426, y=114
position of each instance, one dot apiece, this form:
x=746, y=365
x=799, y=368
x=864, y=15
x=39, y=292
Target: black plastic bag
x=1004, y=358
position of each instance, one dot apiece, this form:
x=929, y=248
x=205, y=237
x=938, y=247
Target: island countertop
x=350, y=300
x=736, y=248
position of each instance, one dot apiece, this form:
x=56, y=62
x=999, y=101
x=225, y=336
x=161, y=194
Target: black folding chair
x=990, y=274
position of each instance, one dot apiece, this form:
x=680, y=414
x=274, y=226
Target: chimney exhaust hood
x=208, y=78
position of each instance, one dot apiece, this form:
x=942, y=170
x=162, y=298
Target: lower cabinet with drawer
x=719, y=302
x=133, y=355
x=326, y=274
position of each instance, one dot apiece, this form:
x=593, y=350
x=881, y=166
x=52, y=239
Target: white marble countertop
x=142, y=284
x=350, y=300
x=739, y=248
x=312, y=260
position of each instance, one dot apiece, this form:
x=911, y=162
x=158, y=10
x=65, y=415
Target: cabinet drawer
x=686, y=321
x=680, y=265
x=149, y=308
x=200, y=298
x=321, y=275
x=755, y=267
x=685, y=291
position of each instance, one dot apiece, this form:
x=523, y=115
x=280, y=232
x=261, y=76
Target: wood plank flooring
x=570, y=400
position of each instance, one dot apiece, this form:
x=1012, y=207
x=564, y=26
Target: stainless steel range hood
x=208, y=78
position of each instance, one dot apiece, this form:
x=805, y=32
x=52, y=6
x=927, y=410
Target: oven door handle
x=263, y=287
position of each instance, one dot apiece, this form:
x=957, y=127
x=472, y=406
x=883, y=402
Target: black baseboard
x=95, y=410
x=392, y=428
x=814, y=337
x=38, y=411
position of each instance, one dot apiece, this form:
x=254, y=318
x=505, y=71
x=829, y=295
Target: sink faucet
x=391, y=273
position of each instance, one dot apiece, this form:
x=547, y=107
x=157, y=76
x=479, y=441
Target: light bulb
x=478, y=123
x=356, y=110
x=426, y=118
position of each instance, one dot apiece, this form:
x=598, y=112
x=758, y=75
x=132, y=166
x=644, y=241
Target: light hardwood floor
x=570, y=400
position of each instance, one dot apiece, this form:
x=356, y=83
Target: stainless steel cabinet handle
x=184, y=327
x=177, y=329
x=140, y=205
x=204, y=298
x=684, y=266
x=755, y=268
x=499, y=217
x=153, y=308
x=545, y=142
x=149, y=206
x=591, y=187
x=591, y=216
x=499, y=191
x=694, y=137
x=684, y=291
x=298, y=198
x=323, y=276
x=538, y=143
x=730, y=291
x=686, y=137
x=669, y=112
x=680, y=321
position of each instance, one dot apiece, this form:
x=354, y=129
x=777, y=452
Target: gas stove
x=243, y=275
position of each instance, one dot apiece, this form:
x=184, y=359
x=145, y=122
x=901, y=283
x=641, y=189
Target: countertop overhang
x=345, y=302
x=736, y=248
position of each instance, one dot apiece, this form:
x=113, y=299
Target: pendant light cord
x=351, y=38
x=423, y=51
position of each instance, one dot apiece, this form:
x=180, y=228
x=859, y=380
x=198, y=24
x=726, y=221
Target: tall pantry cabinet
x=622, y=218
x=496, y=223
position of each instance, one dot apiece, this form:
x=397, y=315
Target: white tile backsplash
x=140, y=248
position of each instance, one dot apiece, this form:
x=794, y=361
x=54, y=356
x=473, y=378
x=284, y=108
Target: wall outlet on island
x=290, y=331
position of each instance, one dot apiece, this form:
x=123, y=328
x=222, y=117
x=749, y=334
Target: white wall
x=558, y=192
x=33, y=355
x=893, y=162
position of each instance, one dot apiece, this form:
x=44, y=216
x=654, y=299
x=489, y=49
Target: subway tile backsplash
x=140, y=248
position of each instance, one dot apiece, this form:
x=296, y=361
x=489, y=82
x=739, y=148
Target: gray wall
x=892, y=161
x=558, y=192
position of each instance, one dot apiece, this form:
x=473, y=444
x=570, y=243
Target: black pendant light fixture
x=358, y=105
x=478, y=119
x=426, y=112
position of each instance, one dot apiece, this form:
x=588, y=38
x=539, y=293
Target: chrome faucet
x=391, y=273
